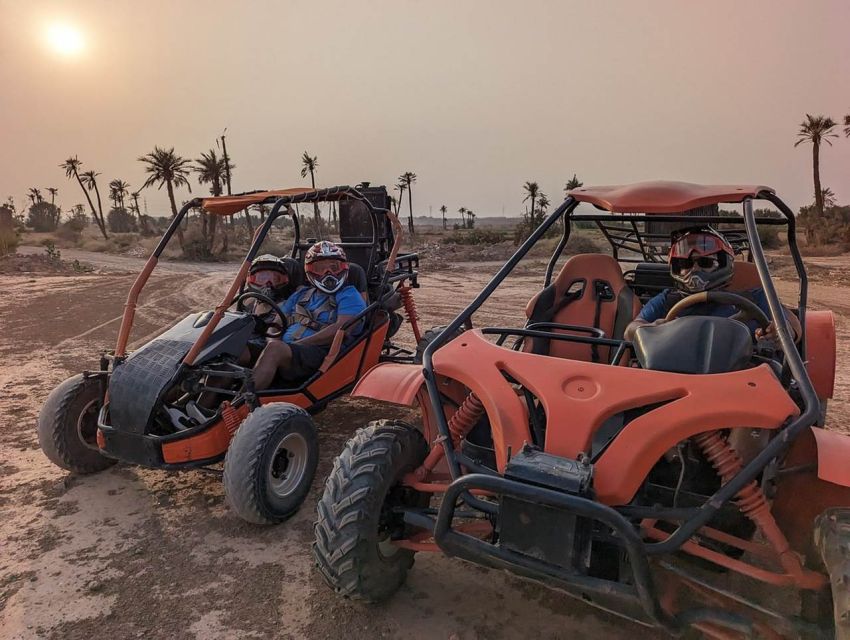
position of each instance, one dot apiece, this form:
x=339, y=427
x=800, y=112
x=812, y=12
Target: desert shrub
x=69, y=232
x=9, y=240
x=476, y=236
x=195, y=245
x=43, y=216
x=120, y=220
x=53, y=254
x=582, y=242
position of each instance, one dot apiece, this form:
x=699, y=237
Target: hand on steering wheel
x=265, y=329
x=747, y=309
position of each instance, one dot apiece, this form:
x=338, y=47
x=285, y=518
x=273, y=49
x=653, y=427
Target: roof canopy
x=664, y=197
x=227, y=205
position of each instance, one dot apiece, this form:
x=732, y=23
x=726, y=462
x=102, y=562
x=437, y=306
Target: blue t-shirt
x=657, y=307
x=349, y=302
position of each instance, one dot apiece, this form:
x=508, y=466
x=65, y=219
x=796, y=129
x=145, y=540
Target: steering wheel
x=264, y=299
x=747, y=309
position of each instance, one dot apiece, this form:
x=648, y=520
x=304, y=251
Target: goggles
x=267, y=278
x=322, y=267
x=699, y=244
x=682, y=265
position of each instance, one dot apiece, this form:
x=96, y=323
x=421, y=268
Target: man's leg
x=276, y=355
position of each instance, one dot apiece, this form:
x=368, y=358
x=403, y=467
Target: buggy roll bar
x=793, y=357
x=341, y=192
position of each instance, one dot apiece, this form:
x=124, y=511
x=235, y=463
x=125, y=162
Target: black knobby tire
x=351, y=547
x=832, y=540
x=270, y=464
x=67, y=426
x=428, y=337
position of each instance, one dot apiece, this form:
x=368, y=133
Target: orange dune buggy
x=627, y=474
x=143, y=407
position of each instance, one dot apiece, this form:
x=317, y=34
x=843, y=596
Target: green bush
x=120, y=221
x=476, y=236
x=43, y=216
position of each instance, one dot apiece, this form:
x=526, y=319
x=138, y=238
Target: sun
x=65, y=39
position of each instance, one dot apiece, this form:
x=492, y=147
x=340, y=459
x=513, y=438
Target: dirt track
x=137, y=553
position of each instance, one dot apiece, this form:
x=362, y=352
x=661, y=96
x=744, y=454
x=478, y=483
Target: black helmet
x=700, y=259
x=276, y=277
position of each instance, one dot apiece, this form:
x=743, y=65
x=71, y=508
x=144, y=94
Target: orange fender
x=833, y=454
x=820, y=351
x=391, y=382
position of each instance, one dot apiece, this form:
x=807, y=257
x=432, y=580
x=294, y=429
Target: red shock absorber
x=409, y=303
x=461, y=423
x=751, y=499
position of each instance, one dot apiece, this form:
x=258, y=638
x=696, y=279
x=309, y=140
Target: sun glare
x=65, y=39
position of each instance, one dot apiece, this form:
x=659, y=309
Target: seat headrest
x=597, y=265
x=745, y=276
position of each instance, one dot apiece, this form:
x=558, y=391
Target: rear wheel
x=357, y=520
x=270, y=464
x=67, y=426
x=832, y=540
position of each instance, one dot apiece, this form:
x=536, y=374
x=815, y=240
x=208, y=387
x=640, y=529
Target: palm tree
x=542, y=204
x=211, y=170
x=72, y=169
x=532, y=190
x=34, y=194
x=407, y=179
x=53, y=191
x=143, y=224
x=89, y=178
x=573, y=183
x=167, y=168
x=309, y=165
x=462, y=212
x=816, y=129
x=118, y=190
x=847, y=125
x=443, y=210
x=400, y=187
x=470, y=219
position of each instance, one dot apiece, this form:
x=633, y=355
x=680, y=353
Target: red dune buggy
x=143, y=407
x=630, y=475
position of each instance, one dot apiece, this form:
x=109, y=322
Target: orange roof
x=663, y=196
x=225, y=205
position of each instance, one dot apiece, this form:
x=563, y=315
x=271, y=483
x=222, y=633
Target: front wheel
x=357, y=512
x=832, y=540
x=67, y=426
x=270, y=464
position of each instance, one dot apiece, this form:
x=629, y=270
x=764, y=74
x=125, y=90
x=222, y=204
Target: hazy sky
x=475, y=97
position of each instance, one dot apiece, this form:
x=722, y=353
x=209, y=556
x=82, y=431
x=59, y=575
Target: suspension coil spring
x=409, y=303
x=460, y=424
x=752, y=502
x=727, y=463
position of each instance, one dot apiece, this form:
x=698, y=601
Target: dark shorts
x=306, y=360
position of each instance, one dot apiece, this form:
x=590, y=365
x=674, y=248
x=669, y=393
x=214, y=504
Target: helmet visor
x=267, y=278
x=699, y=244
x=326, y=266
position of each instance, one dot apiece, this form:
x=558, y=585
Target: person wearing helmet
x=275, y=278
x=315, y=312
x=701, y=259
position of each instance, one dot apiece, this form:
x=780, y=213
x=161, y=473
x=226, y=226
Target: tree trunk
x=213, y=218
x=100, y=208
x=170, y=189
x=316, y=215
x=444, y=222
x=91, y=204
x=818, y=221
x=249, y=224
x=410, y=210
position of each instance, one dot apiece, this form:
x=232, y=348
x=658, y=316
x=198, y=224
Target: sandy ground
x=138, y=553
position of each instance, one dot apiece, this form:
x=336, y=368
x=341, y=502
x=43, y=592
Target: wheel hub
x=288, y=465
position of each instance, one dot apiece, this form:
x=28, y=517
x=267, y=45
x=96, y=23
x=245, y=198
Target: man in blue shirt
x=315, y=313
x=701, y=259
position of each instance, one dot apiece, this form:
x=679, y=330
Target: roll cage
x=384, y=263
x=802, y=388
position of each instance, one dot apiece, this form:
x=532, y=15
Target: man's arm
x=326, y=335
x=652, y=313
